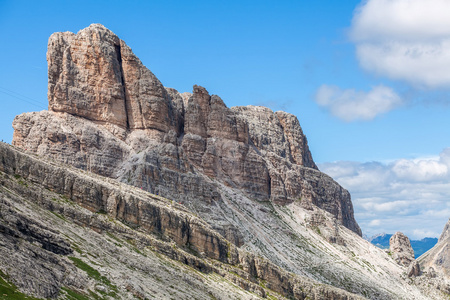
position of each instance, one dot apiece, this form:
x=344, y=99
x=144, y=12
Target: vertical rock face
x=179, y=145
x=95, y=75
x=279, y=133
x=437, y=258
x=401, y=249
x=84, y=75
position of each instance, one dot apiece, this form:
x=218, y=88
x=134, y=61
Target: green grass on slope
x=9, y=291
x=93, y=273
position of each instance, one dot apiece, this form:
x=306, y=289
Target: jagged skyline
x=309, y=59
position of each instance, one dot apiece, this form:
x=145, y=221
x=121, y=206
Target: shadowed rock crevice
x=126, y=104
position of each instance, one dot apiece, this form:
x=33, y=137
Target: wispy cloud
x=351, y=105
x=405, y=40
x=404, y=195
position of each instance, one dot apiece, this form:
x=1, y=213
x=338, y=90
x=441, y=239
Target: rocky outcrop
x=109, y=114
x=250, y=216
x=413, y=269
x=400, y=249
x=35, y=193
x=32, y=253
x=437, y=258
x=445, y=235
x=95, y=75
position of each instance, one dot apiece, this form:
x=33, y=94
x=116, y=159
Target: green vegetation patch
x=271, y=297
x=76, y=248
x=75, y=295
x=9, y=291
x=22, y=182
x=93, y=273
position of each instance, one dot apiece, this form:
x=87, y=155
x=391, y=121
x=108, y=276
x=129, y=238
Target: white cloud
x=422, y=170
x=404, y=39
x=375, y=223
x=411, y=196
x=385, y=206
x=350, y=105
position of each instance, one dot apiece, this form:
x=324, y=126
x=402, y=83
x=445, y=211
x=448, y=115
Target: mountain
x=436, y=261
x=423, y=245
x=420, y=246
x=70, y=234
x=155, y=191
x=380, y=240
x=151, y=134
x=437, y=258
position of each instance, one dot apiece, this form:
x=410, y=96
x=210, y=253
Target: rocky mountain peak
x=401, y=250
x=95, y=75
x=109, y=114
x=229, y=192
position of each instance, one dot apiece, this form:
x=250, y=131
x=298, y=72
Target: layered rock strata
x=35, y=193
x=169, y=143
x=244, y=177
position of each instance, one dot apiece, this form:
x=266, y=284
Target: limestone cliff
x=166, y=142
x=245, y=194
x=68, y=234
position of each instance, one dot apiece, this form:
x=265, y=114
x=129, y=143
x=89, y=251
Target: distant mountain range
x=420, y=246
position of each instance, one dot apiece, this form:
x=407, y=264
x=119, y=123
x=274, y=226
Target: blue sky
x=371, y=95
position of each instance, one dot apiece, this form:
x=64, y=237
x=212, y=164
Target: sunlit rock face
x=241, y=195
x=401, y=250
x=437, y=259
x=175, y=144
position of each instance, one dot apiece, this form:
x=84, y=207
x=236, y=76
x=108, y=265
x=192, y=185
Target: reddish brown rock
x=84, y=75
x=177, y=145
x=95, y=75
x=297, y=144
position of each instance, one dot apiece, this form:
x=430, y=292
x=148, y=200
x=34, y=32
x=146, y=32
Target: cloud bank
x=411, y=196
x=405, y=40
x=351, y=105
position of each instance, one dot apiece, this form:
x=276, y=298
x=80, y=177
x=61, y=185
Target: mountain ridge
x=86, y=200
x=247, y=195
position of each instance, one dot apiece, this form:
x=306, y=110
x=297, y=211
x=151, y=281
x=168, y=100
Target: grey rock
x=413, y=269
x=106, y=222
x=166, y=142
x=431, y=273
x=437, y=258
x=239, y=179
x=401, y=249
